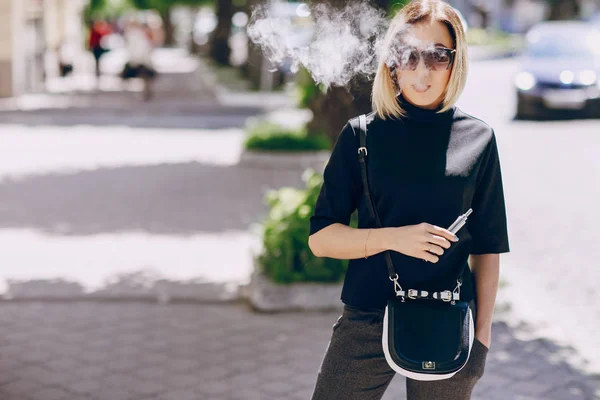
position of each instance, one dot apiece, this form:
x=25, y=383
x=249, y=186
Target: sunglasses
x=436, y=59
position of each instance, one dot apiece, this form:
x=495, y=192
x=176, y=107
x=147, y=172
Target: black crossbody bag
x=426, y=336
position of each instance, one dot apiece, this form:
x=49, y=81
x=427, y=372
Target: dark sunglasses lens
x=437, y=59
x=408, y=59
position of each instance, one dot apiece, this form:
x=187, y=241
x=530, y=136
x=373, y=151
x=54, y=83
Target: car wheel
x=593, y=109
x=521, y=110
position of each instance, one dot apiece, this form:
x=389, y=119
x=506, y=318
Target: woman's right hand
x=424, y=241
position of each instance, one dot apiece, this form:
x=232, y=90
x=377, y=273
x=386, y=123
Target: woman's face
x=425, y=85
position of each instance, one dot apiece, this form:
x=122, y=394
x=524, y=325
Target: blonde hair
x=384, y=87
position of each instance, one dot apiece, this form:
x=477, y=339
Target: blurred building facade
x=32, y=35
x=11, y=53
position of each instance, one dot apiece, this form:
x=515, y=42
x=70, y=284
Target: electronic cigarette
x=460, y=221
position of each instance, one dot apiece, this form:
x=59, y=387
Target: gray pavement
x=106, y=351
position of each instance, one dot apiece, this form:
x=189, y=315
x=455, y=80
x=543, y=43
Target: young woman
x=428, y=162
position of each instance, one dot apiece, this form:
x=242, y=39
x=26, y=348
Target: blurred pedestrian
x=140, y=45
x=98, y=32
x=427, y=162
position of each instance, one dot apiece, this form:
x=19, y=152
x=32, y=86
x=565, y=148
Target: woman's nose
x=421, y=67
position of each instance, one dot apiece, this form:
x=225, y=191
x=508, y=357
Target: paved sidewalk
x=120, y=351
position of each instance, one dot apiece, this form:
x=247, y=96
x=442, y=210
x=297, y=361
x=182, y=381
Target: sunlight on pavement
x=42, y=150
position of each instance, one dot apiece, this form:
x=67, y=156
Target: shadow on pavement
x=75, y=350
x=143, y=116
x=143, y=285
x=173, y=199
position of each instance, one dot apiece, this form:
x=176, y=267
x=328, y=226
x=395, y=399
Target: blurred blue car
x=559, y=70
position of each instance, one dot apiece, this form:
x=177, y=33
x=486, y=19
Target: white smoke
x=340, y=45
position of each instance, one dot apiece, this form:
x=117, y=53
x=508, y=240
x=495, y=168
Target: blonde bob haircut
x=385, y=89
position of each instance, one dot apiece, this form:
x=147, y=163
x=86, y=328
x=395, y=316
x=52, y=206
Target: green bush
x=286, y=257
x=268, y=136
x=306, y=88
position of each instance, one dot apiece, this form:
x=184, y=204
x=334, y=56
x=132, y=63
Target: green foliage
x=105, y=9
x=268, y=136
x=396, y=6
x=163, y=5
x=307, y=89
x=479, y=36
x=287, y=257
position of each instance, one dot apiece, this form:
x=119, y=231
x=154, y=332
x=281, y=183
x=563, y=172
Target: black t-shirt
x=425, y=167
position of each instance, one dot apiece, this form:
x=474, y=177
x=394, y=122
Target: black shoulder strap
x=362, y=158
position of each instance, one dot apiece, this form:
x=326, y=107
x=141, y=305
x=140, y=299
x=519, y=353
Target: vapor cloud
x=340, y=45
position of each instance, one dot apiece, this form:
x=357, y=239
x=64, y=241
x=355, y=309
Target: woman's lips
x=421, y=88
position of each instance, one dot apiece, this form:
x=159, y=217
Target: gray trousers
x=354, y=366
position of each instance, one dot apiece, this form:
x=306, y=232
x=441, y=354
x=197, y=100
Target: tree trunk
x=193, y=46
x=165, y=15
x=252, y=68
x=219, y=41
x=333, y=109
x=564, y=9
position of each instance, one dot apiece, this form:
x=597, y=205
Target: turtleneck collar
x=419, y=114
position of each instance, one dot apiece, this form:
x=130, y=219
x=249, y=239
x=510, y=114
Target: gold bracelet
x=367, y=238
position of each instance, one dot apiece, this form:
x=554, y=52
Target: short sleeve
x=342, y=185
x=487, y=224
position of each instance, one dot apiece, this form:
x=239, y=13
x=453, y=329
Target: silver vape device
x=460, y=221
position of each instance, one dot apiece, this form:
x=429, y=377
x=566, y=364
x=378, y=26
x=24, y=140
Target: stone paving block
x=277, y=388
x=150, y=373
x=10, y=396
x=62, y=364
x=121, y=364
x=83, y=387
x=49, y=377
x=530, y=388
x=90, y=371
x=120, y=380
x=212, y=373
x=22, y=387
x=251, y=394
x=515, y=371
x=183, y=365
x=116, y=393
x=302, y=393
x=244, y=365
x=147, y=388
x=7, y=376
x=154, y=359
x=183, y=381
x=243, y=381
x=51, y=393
x=215, y=388
x=180, y=395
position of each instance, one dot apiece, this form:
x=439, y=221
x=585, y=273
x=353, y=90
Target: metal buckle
x=412, y=293
x=365, y=149
x=456, y=291
x=446, y=296
x=397, y=288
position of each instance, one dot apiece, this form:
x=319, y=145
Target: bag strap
x=445, y=295
x=362, y=156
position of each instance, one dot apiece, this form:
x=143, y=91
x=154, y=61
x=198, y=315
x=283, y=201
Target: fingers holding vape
x=426, y=241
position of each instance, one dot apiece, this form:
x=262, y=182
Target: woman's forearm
x=346, y=243
x=486, y=270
